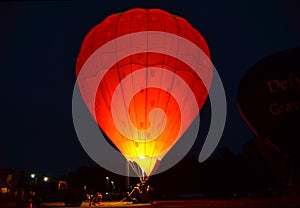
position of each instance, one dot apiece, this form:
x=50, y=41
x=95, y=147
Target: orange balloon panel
x=143, y=121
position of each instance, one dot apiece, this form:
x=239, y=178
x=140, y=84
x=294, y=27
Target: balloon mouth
x=144, y=166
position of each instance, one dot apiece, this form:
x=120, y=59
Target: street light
x=46, y=179
x=107, y=183
x=112, y=185
x=32, y=175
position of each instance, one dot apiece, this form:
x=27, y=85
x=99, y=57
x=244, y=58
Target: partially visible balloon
x=269, y=100
x=144, y=76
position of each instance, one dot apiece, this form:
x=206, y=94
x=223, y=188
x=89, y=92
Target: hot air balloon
x=144, y=76
x=269, y=101
x=269, y=97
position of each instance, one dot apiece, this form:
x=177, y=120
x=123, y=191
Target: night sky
x=40, y=42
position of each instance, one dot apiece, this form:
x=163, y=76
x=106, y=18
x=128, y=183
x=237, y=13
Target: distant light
x=112, y=182
x=142, y=157
x=32, y=175
x=106, y=193
x=46, y=179
x=107, y=178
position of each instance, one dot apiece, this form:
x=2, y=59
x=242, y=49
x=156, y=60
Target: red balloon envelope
x=138, y=70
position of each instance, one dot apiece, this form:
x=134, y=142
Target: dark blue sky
x=39, y=44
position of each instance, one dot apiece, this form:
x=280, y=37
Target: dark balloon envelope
x=269, y=100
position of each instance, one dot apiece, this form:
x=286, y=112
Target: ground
x=203, y=203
